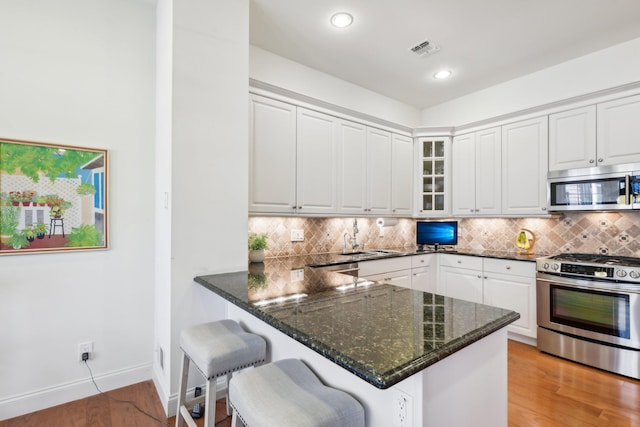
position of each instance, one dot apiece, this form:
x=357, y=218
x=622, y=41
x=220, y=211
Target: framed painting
x=53, y=198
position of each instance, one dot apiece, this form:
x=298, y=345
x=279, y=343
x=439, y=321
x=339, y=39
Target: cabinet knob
x=479, y=277
x=485, y=277
x=459, y=262
x=508, y=267
x=299, y=207
x=477, y=210
x=471, y=210
x=394, y=210
x=600, y=160
x=592, y=161
x=544, y=208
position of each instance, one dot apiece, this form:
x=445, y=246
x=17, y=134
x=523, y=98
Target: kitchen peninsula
x=381, y=343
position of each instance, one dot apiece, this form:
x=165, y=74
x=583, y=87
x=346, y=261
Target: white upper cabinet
x=488, y=171
x=316, y=165
x=378, y=172
x=402, y=175
x=476, y=173
x=619, y=131
x=572, y=139
x=352, y=167
x=433, y=174
x=272, y=156
x=463, y=177
x=524, y=167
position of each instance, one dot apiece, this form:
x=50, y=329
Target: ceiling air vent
x=424, y=48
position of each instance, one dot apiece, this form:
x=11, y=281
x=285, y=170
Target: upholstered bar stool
x=216, y=349
x=287, y=394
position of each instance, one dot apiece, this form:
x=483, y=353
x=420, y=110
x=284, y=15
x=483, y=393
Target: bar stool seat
x=216, y=349
x=287, y=394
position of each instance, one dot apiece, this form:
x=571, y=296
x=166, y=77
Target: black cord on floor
x=124, y=401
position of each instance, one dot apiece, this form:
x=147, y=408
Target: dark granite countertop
x=379, y=332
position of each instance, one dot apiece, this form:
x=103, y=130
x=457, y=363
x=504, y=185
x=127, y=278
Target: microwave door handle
x=627, y=189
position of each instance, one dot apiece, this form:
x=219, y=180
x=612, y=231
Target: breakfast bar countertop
x=379, y=332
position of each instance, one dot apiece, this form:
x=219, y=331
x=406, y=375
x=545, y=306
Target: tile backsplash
x=611, y=233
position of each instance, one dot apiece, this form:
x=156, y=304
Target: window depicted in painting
x=52, y=197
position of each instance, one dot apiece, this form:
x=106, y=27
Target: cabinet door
x=316, y=170
x=423, y=279
x=460, y=283
x=433, y=182
x=402, y=175
x=524, y=167
x=272, y=156
x=572, y=139
x=351, y=164
x=618, y=130
x=378, y=171
x=463, y=175
x=488, y=171
x=515, y=293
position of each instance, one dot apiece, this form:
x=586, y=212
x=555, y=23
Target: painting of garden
x=52, y=198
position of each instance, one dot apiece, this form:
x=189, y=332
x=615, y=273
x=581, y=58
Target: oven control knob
x=621, y=273
x=545, y=265
x=555, y=267
x=634, y=274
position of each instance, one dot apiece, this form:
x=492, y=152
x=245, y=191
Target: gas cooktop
x=603, y=267
x=598, y=259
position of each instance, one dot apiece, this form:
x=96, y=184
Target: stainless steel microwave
x=601, y=188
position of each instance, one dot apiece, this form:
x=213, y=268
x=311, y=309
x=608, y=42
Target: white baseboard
x=15, y=406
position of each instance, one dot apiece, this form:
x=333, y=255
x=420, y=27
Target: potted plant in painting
x=41, y=229
x=84, y=235
x=29, y=233
x=56, y=212
x=86, y=189
x=41, y=200
x=18, y=241
x=9, y=220
x=257, y=245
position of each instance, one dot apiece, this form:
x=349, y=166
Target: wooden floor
x=543, y=391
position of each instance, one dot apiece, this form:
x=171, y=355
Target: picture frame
x=53, y=198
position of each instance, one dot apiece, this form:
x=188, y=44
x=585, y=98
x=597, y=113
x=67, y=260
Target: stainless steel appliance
x=600, y=188
x=588, y=309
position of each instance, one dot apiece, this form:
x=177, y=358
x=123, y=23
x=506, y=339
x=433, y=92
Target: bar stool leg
x=182, y=391
x=235, y=420
x=228, y=406
x=210, y=408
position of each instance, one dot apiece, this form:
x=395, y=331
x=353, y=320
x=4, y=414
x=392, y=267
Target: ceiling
x=483, y=42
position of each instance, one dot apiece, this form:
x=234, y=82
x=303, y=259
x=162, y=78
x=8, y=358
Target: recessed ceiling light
x=341, y=20
x=443, y=74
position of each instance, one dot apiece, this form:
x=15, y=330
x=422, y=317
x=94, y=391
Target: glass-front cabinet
x=434, y=170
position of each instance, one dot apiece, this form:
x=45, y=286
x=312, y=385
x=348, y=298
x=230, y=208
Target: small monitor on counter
x=436, y=233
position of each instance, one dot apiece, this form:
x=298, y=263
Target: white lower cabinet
x=394, y=271
x=500, y=283
x=460, y=276
x=511, y=285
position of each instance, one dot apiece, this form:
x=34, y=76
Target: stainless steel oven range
x=588, y=309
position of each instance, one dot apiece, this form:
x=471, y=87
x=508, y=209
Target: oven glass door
x=604, y=193
x=596, y=311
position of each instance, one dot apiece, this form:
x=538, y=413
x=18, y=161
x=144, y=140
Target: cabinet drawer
x=425, y=260
x=368, y=268
x=461, y=261
x=504, y=266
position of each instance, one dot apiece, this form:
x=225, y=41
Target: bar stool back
x=216, y=349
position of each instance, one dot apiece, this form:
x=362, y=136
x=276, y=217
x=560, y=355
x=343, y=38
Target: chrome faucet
x=354, y=240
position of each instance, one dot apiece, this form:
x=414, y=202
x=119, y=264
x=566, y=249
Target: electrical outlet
x=297, y=275
x=85, y=347
x=402, y=409
x=297, y=235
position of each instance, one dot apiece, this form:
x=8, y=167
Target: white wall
x=80, y=73
x=609, y=68
x=284, y=73
x=203, y=143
